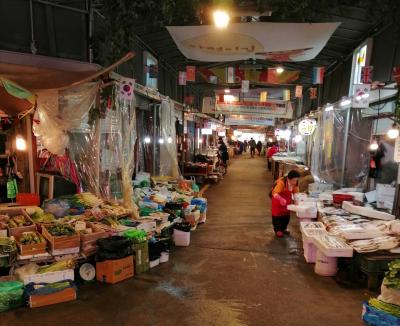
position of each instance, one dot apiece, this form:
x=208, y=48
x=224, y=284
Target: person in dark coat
x=259, y=147
x=223, y=152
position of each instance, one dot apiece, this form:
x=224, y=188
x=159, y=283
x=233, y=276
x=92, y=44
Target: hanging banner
x=259, y=40
x=318, y=75
x=245, y=86
x=299, y=91
x=208, y=105
x=286, y=95
x=190, y=73
x=265, y=76
x=307, y=127
x=263, y=96
x=182, y=78
x=396, y=74
x=126, y=88
x=269, y=109
x=230, y=75
x=248, y=120
x=366, y=74
x=361, y=96
x=313, y=93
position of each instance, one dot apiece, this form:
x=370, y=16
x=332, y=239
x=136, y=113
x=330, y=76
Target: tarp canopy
x=271, y=41
x=36, y=72
x=15, y=99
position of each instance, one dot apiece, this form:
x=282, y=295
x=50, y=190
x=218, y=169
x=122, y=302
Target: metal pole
x=89, y=7
x=33, y=44
x=346, y=138
x=154, y=137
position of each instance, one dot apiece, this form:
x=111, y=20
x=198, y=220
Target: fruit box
x=61, y=242
x=114, y=271
x=19, y=229
x=31, y=249
x=65, y=295
x=89, y=241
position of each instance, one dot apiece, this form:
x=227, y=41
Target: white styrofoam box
x=311, y=226
x=68, y=251
x=332, y=246
x=154, y=263
x=181, y=238
x=326, y=196
x=310, y=251
x=367, y=211
x=310, y=213
x=303, y=207
x=51, y=277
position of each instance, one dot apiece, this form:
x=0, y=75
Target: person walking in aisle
x=253, y=145
x=223, y=152
x=259, y=147
x=282, y=196
x=245, y=145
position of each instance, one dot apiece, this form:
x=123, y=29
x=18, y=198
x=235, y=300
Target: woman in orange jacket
x=282, y=196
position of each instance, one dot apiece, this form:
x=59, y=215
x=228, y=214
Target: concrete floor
x=235, y=272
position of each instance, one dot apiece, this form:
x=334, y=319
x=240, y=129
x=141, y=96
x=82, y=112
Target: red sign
x=190, y=73
x=366, y=74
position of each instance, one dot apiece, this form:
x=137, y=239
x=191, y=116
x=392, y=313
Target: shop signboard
x=307, y=126
x=248, y=120
x=269, y=109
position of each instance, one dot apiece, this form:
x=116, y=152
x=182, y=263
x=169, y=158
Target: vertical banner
x=286, y=94
x=366, y=74
x=299, y=91
x=245, y=86
x=182, y=78
x=263, y=96
x=318, y=75
x=190, y=73
x=313, y=93
x=230, y=75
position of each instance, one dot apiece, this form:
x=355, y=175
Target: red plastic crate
x=26, y=199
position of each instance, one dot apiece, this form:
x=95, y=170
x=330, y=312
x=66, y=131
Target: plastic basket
x=26, y=199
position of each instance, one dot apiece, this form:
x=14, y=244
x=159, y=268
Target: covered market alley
x=236, y=272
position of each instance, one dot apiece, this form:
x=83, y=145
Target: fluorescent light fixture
x=221, y=133
x=329, y=107
x=345, y=102
x=169, y=140
x=206, y=131
x=20, y=143
x=229, y=98
x=270, y=140
x=221, y=18
x=280, y=70
x=200, y=141
x=227, y=90
x=298, y=138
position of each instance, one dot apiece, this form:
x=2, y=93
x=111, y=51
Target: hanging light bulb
x=374, y=145
x=227, y=91
x=20, y=143
x=393, y=132
x=221, y=18
x=147, y=140
x=161, y=141
x=200, y=141
x=169, y=140
x=279, y=70
x=270, y=140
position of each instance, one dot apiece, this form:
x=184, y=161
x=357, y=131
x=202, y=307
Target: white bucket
x=325, y=266
x=164, y=257
x=181, y=238
x=310, y=251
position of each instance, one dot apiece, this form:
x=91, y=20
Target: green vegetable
x=392, y=276
x=61, y=230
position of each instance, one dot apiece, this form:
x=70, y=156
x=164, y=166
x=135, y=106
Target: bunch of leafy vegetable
x=392, y=276
x=61, y=230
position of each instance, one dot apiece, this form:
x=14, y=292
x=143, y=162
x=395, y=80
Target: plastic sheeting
x=168, y=151
x=60, y=112
x=328, y=150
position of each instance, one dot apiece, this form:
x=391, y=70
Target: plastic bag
x=137, y=236
x=11, y=295
x=185, y=227
x=57, y=207
x=25, y=270
x=115, y=247
x=46, y=288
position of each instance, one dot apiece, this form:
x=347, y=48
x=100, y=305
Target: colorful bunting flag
x=245, y=86
x=299, y=91
x=318, y=75
x=190, y=73
x=366, y=74
x=313, y=93
x=182, y=78
x=126, y=88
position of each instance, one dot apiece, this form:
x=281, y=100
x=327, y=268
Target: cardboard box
x=65, y=295
x=50, y=277
x=114, y=271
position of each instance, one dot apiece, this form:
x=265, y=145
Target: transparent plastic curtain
x=329, y=147
x=168, y=151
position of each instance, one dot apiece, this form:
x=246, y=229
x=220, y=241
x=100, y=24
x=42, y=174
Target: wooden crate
x=89, y=241
x=61, y=242
x=31, y=249
x=18, y=230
